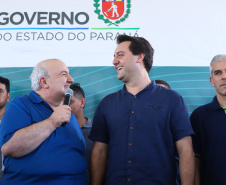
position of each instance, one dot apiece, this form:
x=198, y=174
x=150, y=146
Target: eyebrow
x=119, y=52
x=217, y=70
x=64, y=72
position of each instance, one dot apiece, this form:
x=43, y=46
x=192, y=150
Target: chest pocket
x=154, y=116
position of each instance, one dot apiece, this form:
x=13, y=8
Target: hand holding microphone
x=62, y=113
x=67, y=100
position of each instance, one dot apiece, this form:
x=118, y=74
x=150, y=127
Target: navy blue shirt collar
x=151, y=85
x=214, y=105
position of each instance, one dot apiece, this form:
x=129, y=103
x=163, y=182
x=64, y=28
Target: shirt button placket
x=130, y=139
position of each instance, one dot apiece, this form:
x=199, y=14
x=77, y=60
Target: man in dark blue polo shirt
x=137, y=128
x=209, y=124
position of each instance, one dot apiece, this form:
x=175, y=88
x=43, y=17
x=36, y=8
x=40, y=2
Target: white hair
x=217, y=58
x=39, y=71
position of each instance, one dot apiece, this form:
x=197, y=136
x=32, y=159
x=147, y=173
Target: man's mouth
x=119, y=68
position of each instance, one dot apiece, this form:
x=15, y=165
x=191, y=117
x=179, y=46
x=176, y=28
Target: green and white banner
x=185, y=36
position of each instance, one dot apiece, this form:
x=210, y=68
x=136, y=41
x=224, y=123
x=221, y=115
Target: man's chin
x=2, y=106
x=120, y=77
x=123, y=80
x=222, y=93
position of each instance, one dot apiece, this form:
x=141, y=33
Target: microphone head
x=68, y=92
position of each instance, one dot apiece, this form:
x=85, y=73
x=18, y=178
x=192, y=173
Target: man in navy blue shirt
x=137, y=128
x=37, y=149
x=209, y=124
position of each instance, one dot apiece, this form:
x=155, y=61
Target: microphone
x=67, y=99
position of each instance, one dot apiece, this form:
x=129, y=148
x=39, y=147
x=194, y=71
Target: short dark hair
x=139, y=45
x=78, y=91
x=163, y=83
x=6, y=82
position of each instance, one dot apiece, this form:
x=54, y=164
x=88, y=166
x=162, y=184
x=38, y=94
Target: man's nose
x=224, y=74
x=115, y=61
x=70, y=79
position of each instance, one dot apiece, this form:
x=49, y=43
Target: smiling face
x=125, y=62
x=59, y=79
x=218, y=77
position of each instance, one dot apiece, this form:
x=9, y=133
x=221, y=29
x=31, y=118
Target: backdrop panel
x=185, y=36
x=191, y=82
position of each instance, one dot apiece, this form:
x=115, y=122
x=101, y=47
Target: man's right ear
x=211, y=81
x=43, y=82
x=83, y=102
x=8, y=96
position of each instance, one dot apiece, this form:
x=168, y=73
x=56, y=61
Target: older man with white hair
x=37, y=149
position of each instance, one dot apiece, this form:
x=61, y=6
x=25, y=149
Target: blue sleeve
x=179, y=122
x=16, y=117
x=99, y=131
